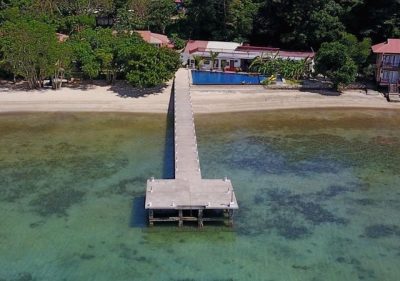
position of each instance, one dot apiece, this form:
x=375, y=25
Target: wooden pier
x=188, y=197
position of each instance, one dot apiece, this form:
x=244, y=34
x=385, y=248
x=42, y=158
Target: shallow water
x=318, y=193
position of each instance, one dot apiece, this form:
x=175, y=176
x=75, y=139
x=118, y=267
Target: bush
x=148, y=66
x=120, y=54
x=178, y=42
x=333, y=61
x=289, y=69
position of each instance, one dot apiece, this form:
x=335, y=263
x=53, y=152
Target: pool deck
x=188, y=191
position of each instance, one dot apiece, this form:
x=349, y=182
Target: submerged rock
x=381, y=230
x=56, y=202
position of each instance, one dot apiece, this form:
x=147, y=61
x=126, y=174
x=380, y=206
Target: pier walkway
x=188, y=197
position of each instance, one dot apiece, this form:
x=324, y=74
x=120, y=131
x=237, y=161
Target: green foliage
x=137, y=13
x=198, y=61
x=127, y=20
x=96, y=51
x=359, y=51
x=161, y=14
x=148, y=66
x=289, y=69
x=240, y=16
x=213, y=58
x=103, y=52
x=178, y=42
x=76, y=23
x=31, y=50
x=334, y=61
x=291, y=24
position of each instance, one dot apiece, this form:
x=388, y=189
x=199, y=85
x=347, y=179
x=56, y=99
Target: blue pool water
x=223, y=78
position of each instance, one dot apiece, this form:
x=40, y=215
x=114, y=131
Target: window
x=206, y=62
x=391, y=60
x=385, y=76
x=390, y=76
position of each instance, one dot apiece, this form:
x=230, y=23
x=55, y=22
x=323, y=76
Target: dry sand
x=206, y=99
x=213, y=99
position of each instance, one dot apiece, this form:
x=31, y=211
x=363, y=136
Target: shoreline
x=206, y=100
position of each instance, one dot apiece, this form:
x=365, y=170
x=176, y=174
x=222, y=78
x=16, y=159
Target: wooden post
x=230, y=221
x=180, y=218
x=151, y=217
x=200, y=218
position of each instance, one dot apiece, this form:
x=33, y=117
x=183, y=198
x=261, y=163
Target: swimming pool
x=223, y=78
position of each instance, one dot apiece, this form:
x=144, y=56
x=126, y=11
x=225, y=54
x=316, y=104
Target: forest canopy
x=297, y=24
x=292, y=23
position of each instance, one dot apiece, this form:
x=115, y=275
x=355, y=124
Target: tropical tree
x=104, y=52
x=148, y=66
x=359, y=51
x=272, y=65
x=98, y=51
x=240, y=18
x=333, y=60
x=139, y=12
x=179, y=43
x=31, y=50
x=198, y=61
x=161, y=14
x=213, y=58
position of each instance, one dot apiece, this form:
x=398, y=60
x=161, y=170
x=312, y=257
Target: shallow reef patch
x=381, y=230
x=57, y=201
x=292, y=216
x=23, y=276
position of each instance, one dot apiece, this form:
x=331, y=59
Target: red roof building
x=391, y=46
x=233, y=56
x=388, y=64
x=156, y=39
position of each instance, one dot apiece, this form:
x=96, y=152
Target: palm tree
x=260, y=63
x=213, y=58
x=198, y=61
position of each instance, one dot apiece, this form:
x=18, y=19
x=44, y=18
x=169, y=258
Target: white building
x=233, y=56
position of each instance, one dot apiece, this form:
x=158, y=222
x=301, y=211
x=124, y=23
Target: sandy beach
x=206, y=99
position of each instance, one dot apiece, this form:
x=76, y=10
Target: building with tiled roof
x=233, y=56
x=388, y=64
x=155, y=39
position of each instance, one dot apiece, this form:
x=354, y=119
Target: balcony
x=385, y=82
x=390, y=66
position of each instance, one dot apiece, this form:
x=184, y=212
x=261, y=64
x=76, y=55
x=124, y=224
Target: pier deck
x=188, y=191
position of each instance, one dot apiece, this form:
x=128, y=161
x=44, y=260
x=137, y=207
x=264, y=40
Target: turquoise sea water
x=318, y=191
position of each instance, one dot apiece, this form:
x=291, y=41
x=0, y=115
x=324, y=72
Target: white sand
x=92, y=99
x=206, y=99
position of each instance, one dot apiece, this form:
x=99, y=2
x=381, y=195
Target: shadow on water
x=138, y=213
x=169, y=148
x=138, y=216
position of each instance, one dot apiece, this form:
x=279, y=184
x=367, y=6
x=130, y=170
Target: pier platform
x=188, y=197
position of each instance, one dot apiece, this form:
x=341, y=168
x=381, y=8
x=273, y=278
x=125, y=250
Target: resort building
x=158, y=40
x=231, y=56
x=388, y=64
